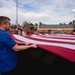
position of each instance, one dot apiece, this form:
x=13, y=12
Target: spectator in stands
x=9, y=48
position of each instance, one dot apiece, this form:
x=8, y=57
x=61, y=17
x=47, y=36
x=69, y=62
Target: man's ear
x=3, y=23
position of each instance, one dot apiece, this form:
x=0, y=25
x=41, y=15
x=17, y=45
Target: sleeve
x=8, y=41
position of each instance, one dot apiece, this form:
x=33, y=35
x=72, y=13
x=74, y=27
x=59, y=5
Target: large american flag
x=62, y=45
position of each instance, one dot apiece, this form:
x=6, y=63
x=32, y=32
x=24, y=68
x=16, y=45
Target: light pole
x=17, y=12
x=74, y=19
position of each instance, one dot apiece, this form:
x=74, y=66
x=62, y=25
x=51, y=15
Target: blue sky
x=35, y=11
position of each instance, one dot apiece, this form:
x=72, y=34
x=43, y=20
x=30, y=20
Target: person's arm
x=23, y=47
x=10, y=43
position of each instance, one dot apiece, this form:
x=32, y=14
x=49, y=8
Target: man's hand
x=33, y=45
x=26, y=43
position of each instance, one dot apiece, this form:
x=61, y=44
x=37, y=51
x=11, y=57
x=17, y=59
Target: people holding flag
x=9, y=48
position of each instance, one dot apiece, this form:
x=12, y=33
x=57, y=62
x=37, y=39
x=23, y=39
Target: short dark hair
x=3, y=19
x=74, y=30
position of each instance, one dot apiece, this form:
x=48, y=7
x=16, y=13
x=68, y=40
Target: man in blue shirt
x=9, y=48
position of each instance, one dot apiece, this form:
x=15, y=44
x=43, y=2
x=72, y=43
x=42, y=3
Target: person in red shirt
x=29, y=32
